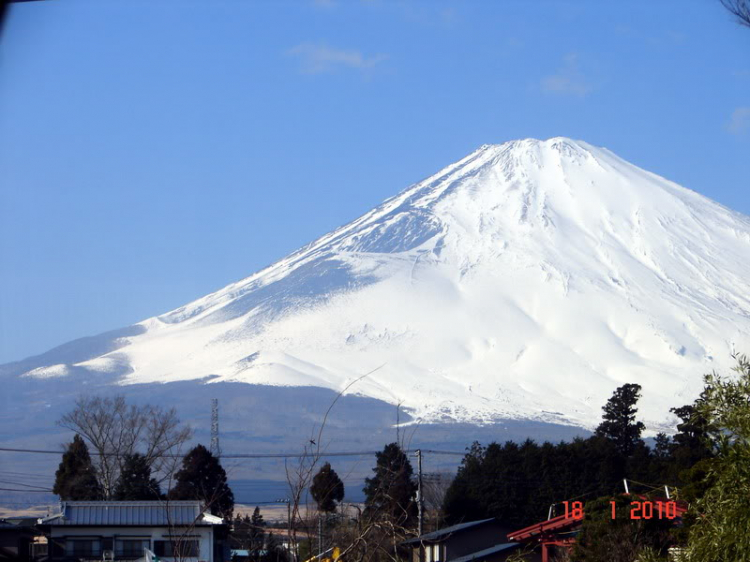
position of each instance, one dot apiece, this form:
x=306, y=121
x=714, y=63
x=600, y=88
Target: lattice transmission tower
x=215, y=447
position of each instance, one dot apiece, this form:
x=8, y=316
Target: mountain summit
x=526, y=281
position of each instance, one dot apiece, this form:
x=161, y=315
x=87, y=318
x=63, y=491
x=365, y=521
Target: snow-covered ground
x=526, y=281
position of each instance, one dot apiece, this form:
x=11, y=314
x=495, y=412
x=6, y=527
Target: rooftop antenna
x=215, y=448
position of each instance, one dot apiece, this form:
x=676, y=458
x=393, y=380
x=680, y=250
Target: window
x=83, y=548
x=130, y=548
x=177, y=549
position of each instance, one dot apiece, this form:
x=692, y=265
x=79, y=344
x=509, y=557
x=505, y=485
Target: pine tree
x=327, y=489
x=256, y=529
x=662, y=446
x=135, y=482
x=619, y=423
x=390, y=493
x=203, y=478
x=695, y=436
x=462, y=500
x=75, y=479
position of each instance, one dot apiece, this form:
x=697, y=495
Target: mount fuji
x=524, y=282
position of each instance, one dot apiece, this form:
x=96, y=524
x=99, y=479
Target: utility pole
x=291, y=548
x=320, y=537
x=420, y=499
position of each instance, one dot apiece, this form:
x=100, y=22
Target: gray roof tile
x=151, y=513
x=442, y=533
x=486, y=552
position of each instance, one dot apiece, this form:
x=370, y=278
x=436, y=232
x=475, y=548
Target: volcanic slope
x=526, y=281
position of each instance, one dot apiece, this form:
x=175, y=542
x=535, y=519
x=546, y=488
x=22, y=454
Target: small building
x=473, y=541
x=112, y=530
x=17, y=537
x=288, y=541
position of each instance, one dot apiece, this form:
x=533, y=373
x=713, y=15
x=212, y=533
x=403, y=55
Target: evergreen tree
x=248, y=533
x=256, y=529
x=661, y=460
x=694, y=439
x=662, y=446
x=390, y=493
x=135, y=482
x=327, y=489
x=203, y=478
x=75, y=479
x=619, y=425
x=463, y=500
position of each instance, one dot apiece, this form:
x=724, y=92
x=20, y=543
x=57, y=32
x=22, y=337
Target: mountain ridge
x=520, y=259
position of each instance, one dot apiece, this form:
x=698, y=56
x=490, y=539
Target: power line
x=21, y=484
x=247, y=502
x=254, y=455
x=9, y=472
x=27, y=491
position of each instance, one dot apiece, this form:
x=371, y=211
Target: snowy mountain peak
x=527, y=280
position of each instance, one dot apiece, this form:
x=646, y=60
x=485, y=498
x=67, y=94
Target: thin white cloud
x=568, y=80
x=739, y=122
x=317, y=59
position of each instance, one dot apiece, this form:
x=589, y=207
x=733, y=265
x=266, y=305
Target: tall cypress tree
x=327, y=489
x=203, y=478
x=619, y=425
x=257, y=523
x=75, y=479
x=135, y=482
x=391, y=492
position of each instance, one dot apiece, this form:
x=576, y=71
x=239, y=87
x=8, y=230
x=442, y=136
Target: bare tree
x=740, y=9
x=435, y=486
x=299, y=477
x=115, y=429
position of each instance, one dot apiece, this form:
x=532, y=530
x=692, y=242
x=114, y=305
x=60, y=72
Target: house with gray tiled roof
x=182, y=531
x=472, y=541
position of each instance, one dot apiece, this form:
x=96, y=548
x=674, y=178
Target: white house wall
x=204, y=535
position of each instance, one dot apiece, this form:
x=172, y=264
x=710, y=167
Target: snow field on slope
x=528, y=280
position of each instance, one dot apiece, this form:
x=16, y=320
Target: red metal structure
x=558, y=531
x=562, y=530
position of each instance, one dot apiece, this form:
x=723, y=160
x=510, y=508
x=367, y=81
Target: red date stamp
x=645, y=509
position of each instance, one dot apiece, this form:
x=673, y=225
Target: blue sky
x=154, y=151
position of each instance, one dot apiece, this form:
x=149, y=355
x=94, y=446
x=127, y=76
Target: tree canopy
x=135, y=482
x=391, y=492
x=203, y=478
x=75, y=479
x=720, y=530
x=327, y=489
x=618, y=423
x=517, y=483
x=114, y=429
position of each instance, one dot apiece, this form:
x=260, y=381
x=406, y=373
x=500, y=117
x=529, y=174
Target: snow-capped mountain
x=526, y=281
